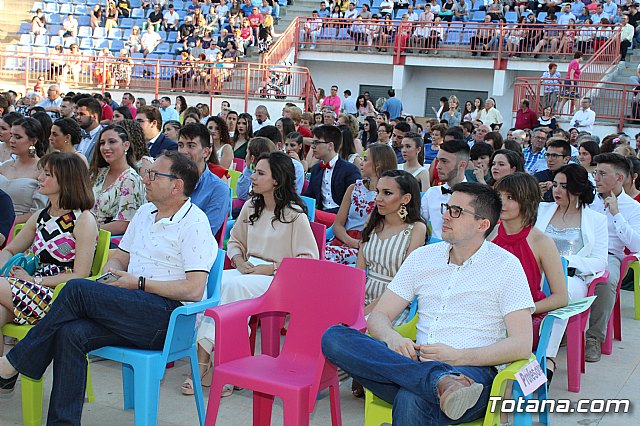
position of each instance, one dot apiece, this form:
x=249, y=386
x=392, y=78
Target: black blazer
x=344, y=174
x=161, y=144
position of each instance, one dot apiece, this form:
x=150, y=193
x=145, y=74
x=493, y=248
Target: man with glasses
x=331, y=176
x=397, y=135
x=332, y=102
x=453, y=157
x=446, y=375
x=623, y=216
x=558, y=154
x=150, y=120
x=534, y=159
x=134, y=310
x=584, y=118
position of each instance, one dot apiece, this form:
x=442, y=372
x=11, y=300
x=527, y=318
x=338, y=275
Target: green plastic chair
x=32, y=389
x=635, y=267
x=377, y=411
x=233, y=182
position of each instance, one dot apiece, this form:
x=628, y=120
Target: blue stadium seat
x=328, y=32
x=478, y=16
x=37, y=5
x=80, y=10
x=25, y=28
x=173, y=37
x=205, y=8
x=401, y=12
x=476, y=5
x=66, y=8
x=84, y=31
x=86, y=43
x=64, y=2
x=68, y=41
x=25, y=49
x=162, y=48
x=25, y=40
x=126, y=23
x=54, y=29
x=139, y=22
x=50, y=1
x=178, y=5
x=453, y=36
x=51, y=8
x=116, y=45
x=92, y=2
x=99, y=32
x=126, y=34
x=467, y=33
x=175, y=48
x=138, y=70
x=55, y=40
x=376, y=3
x=115, y=34
x=343, y=34
x=163, y=34
x=41, y=40
x=541, y=16
x=84, y=21
x=54, y=18
x=100, y=43
x=136, y=3
x=511, y=17
x=137, y=13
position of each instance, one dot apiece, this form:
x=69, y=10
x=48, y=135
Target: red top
x=107, y=112
x=517, y=245
x=526, y=120
x=637, y=198
x=219, y=171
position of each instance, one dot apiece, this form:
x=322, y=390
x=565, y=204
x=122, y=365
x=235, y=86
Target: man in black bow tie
x=331, y=177
x=452, y=160
x=88, y=116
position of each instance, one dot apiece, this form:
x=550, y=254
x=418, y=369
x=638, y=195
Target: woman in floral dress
x=358, y=203
x=117, y=187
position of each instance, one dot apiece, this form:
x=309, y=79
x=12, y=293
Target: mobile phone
x=107, y=278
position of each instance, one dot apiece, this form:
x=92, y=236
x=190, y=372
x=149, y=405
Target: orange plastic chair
x=301, y=370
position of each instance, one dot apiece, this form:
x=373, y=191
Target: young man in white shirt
x=446, y=375
x=453, y=158
x=352, y=12
x=623, y=215
x=133, y=311
x=584, y=118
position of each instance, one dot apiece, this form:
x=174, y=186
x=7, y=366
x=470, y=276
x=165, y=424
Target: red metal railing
x=161, y=75
x=281, y=50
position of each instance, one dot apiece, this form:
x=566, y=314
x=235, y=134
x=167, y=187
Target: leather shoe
x=457, y=394
x=592, y=352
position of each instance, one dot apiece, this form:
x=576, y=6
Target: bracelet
x=141, y=283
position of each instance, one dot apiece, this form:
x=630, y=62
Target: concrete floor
x=616, y=376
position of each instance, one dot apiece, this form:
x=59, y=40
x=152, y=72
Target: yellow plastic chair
x=635, y=267
x=32, y=389
x=233, y=182
x=377, y=411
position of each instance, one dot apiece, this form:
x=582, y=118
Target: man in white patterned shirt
x=474, y=314
x=162, y=262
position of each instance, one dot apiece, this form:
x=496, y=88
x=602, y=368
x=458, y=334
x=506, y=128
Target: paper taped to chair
x=530, y=377
x=574, y=307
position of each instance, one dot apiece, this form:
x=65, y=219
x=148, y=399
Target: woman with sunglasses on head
x=358, y=203
x=579, y=233
x=536, y=251
x=117, y=187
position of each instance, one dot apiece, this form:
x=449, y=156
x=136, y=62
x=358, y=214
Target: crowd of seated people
x=556, y=193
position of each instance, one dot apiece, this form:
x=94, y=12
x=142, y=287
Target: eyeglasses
x=316, y=142
x=456, y=211
x=553, y=155
x=598, y=173
x=152, y=175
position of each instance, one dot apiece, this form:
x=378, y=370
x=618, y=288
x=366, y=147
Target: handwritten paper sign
x=531, y=377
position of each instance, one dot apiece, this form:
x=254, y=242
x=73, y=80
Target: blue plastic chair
x=84, y=20
x=116, y=45
x=142, y=369
x=37, y=5
x=99, y=32
x=66, y=9
x=84, y=31
x=115, y=34
x=126, y=23
x=25, y=28
x=137, y=13
x=311, y=206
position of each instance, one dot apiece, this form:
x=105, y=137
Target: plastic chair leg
x=90, y=395
x=575, y=348
x=262, y=408
x=334, y=399
x=197, y=385
x=127, y=386
x=617, y=320
x=147, y=393
x=636, y=288
x=215, y=394
x=31, y=401
x=253, y=326
x=296, y=409
x=607, y=345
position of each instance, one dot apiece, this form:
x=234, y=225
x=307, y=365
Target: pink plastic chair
x=305, y=185
x=221, y=233
x=314, y=303
x=614, y=327
x=320, y=234
x=239, y=162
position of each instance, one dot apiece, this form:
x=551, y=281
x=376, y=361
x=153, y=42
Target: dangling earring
x=402, y=212
x=577, y=202
x=32, y=151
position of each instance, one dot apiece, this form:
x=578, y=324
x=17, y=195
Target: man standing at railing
x=626, y=37
x=584, y=118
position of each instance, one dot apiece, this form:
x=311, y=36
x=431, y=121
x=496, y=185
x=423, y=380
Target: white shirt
x=327, y=199
x=167, y=249
x=257, y=126
x=585, y=118
x=413, y=17
x=351, y=14
x=624, y=228
x=171, y=18
x=463, y=306
x=85, y=146
x=349, y=105
x=150, y=40
x=430, y=207
x=490, y=117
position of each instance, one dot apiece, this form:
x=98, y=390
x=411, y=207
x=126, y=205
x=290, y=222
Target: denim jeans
x=87, y=316
x=410, y=386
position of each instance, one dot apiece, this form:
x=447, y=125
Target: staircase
x=14, y=12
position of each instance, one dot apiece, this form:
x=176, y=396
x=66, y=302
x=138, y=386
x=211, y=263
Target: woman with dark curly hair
x=220, y=141
x=65, y=133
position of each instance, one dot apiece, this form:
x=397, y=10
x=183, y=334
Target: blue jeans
x=87, y=316
x=410, y=386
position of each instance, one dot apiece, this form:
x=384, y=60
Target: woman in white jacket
x=580, y=234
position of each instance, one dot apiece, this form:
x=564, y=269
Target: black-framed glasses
x=152, y=175
x=456, y=211
x=553, y=155
x=317, y=142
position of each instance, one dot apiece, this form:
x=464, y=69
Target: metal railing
x=160, y=75
x=497, y=40
x=284, y=48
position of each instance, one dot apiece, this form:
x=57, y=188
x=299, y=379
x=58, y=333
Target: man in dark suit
x=150, y=120
x=331, y=177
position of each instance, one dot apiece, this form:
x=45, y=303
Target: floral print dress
x=121, y=199
x=362, y=204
